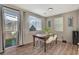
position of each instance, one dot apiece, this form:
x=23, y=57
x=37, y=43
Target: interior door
x=11, y=20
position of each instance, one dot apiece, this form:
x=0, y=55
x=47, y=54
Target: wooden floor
x=56, y=49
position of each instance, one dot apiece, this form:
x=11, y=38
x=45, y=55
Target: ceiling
x=42, y=9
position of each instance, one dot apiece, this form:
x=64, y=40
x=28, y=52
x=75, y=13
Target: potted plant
x=47, y=30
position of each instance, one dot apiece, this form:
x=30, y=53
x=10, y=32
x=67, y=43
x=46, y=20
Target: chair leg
x=41, y=44
x=56, y=40
x=37, y=43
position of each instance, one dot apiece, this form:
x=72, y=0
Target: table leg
x=33, y=41
x=44, y=46
x=56, y=40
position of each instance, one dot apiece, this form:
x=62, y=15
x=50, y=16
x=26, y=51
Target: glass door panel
x=11, y=21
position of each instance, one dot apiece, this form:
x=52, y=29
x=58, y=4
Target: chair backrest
x=50, y=39
x=55, y=36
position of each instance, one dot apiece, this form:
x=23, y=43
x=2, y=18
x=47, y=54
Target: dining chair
x=51, y=39
x=38, y=42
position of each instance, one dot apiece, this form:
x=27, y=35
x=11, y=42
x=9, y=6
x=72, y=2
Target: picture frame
x=49, y=23
x=70, y=21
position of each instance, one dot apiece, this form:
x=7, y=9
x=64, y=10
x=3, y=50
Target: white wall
x=27, y=36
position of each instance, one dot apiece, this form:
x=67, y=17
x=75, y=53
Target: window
x=58, y=24
x=34, y=23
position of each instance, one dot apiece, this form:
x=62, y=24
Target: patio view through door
x=10, y=27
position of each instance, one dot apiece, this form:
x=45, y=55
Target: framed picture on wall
x=49, y=23
x=70, y=21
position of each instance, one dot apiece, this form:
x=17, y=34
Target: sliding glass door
x=10, y=27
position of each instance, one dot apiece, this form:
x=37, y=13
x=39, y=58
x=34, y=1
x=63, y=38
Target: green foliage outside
x=10, y=42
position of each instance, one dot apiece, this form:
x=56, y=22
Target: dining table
x=43, y=37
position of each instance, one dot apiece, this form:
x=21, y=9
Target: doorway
x=10, y=26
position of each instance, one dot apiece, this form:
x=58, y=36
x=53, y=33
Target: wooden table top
x=41, y=36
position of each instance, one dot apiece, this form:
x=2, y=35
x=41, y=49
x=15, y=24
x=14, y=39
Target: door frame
x=2, y=25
